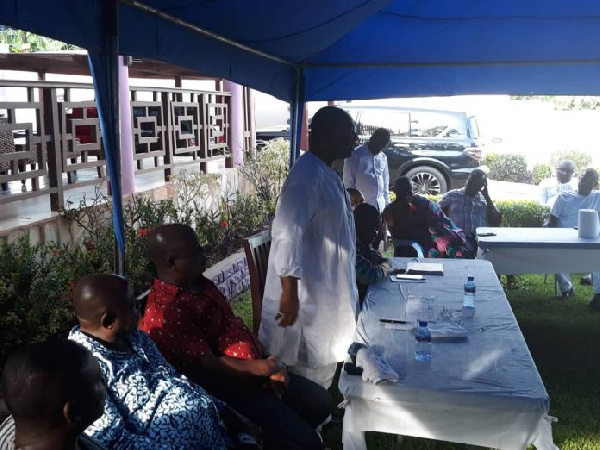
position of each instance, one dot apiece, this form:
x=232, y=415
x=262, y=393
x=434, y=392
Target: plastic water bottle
x=423, y=342
x=468, y=309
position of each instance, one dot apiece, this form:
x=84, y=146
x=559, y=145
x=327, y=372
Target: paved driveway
x=506, y=190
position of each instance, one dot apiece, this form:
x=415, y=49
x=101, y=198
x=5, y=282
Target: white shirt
x=369, y=174
x=566, y=207
x=551, y=188
x=313, y=239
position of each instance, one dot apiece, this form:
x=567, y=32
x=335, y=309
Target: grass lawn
x=563, y=337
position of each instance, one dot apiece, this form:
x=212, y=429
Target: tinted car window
x=436, y=125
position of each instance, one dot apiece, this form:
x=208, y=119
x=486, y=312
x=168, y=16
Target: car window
x=368, y=120
x=436, y=125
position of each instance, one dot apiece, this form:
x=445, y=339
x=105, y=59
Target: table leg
x=353, y=439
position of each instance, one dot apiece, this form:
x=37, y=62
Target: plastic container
x=423, y=342
x=468, y=308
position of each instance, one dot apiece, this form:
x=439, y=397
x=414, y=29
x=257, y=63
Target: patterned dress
x=148, y=404
x=430, y=227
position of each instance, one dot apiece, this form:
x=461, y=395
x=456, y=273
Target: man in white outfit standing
x=367, y=170
x=308, y=314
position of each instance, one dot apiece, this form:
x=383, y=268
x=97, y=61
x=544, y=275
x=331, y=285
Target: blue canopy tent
x=333, y=50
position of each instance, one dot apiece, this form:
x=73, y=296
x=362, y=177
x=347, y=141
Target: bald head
x=565, y=170
x=177, y=256
x=169, y=240
x=95, y=294
x=105, y=307
x=332, y=134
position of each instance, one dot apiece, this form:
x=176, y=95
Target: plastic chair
x=401, y=246
x=257, y=249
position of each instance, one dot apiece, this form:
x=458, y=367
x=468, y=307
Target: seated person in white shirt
x=552, y=187
x=565, y=214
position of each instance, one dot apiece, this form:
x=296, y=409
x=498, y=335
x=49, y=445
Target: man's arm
x=494, y=217
x=553, y=221
x=444, y=203
x=290, y=303
x=368, y=272
x=227, y=365
x=386, y=182
x=110, y=431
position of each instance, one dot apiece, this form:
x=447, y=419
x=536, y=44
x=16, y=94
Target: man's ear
x=71, y=413
x=170, y=262
x=107, y=320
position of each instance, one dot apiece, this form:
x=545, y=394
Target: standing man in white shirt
x=565, y=214
x=552, y=187
x=367, y=170
x=308, y=311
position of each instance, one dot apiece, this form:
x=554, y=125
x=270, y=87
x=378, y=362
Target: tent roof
x=76, y=63
x=350, y=48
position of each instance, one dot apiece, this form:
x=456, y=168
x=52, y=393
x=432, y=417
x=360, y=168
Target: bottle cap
x=470, y=278
x=422, y=323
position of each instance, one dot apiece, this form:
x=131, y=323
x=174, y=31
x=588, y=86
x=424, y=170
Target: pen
x=401, y=322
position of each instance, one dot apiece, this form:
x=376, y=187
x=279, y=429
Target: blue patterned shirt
x=148, y=404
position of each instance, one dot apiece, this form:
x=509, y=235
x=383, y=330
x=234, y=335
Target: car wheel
x=427, y=181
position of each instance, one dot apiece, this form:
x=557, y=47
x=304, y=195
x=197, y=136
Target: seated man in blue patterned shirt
x=148, y=404
x=371, y=267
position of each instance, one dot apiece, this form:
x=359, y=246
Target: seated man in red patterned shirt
x=195, y=328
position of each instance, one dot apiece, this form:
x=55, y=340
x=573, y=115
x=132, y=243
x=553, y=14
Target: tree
x=20, y=41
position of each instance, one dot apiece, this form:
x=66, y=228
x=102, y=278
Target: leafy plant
x=268, y=171
x=540, y=172
x=582, y=160
x=24, y=41
x=522, y=213
x=509, y=168
x=35, y=291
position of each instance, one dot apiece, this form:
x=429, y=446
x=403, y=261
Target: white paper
x=420, y=308
x=408, y=278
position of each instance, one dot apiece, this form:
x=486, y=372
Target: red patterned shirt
x=187, y=325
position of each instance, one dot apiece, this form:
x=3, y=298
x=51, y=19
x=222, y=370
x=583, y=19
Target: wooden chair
x=257, y=249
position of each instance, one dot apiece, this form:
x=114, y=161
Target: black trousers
x=288, y=423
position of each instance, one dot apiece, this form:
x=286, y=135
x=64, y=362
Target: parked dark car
x=436, y=149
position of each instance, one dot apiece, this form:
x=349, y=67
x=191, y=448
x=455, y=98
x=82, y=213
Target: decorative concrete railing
x=54, y=130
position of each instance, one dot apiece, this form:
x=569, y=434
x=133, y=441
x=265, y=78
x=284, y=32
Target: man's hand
x=273, y=365
x=279, y=381
x=484, y=191
x=290, y=304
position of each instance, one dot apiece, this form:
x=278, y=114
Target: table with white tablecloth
x=515, y=251
x=483, y=391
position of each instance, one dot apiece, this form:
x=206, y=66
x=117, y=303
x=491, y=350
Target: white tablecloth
x=514, y=251
x=485, y=391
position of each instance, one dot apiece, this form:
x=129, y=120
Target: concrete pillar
x=237, y=121
x=127, y=164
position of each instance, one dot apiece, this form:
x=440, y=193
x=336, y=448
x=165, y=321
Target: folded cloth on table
x=375, y=368
x=447, y=331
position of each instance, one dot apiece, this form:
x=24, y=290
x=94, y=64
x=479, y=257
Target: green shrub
x=267, y=172
x=582, y=160
x=35, y=287
x=509, y=168
x=541, y=172
x=490, y=158
x=522, y=213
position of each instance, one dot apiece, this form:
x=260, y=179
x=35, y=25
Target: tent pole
x=296, y=110
x=113, y=47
